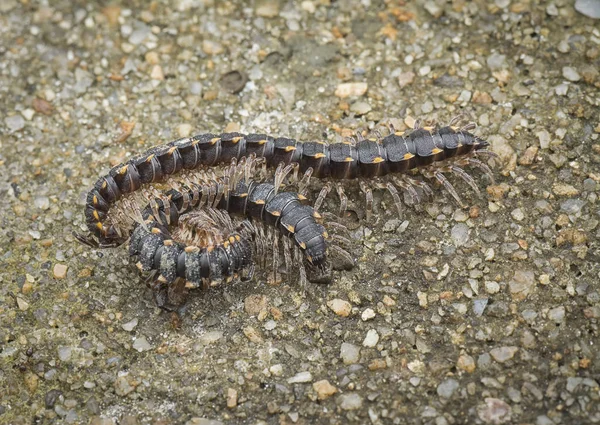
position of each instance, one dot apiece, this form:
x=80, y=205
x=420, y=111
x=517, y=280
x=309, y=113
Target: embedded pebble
x=494, y=411
x=371, y=339
x=350, y=353
x=503, y=354
x=351, y=89
x=460, y=234
x=340, y=307
x=447, y=388
x=557, y=314
x=350, y=401
x=367, y=314
x=521, y=284
x=466, y=363
x=59, y=271
x=129, y=326
x=589, y=8
x=571, y=74
x=141, y=344
x=300, y=378
x=324, y=389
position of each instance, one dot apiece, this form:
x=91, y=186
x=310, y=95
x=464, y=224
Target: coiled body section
x=365, y=158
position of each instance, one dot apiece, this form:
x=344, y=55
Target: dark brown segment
x=315, y=155
x=260, y=145
x=371, y=158
x=285, y=150
x=233, y=145
x=343, y=161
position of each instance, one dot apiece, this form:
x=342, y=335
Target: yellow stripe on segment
x=435, y=151
x=276, y=213
x=349, y=159
x=150, y=158
x=260, y=202
x=155, y=230
x=236, y=139
x=408, y=156
x=261, y=142
x=168, y=242
x=173, y=149
x=191, y=248
x=319, y=155
x=290, y=148
x=290, y=228
x=302, y=245
x=96, y=215
x=99, y=226
x=215, y=140
x=378, y=159
x=123, y=169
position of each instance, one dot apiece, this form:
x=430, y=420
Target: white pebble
x=371, y=339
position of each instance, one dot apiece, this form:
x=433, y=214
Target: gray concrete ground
x=481, y=315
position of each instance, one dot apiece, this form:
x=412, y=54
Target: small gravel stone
x=351, y=89
x=517, y=214
x=521, y=284
x=571, y=73
x=122, y=386
x=371, y=339
x=557, y=314
x=300, y=378
x=51, y=398
x=466, y=363
x=562, y=189
x=210, y=337
x=460, y=234
x=368, y=314
x=447, y=388
x=141, y=344
x=350, y=401
x=59, y=271
x=496, y=62
x=64, y=353
x=232, y=397
x=589, y=8
x=129, y=326
x=360, y=108
x=14, y=123
x=406, y=78
x=503, y=354
x=350, y=353
x=340, y=307
x=494, y=411
x=184, y=130
x=324, y=389
x=267, y=8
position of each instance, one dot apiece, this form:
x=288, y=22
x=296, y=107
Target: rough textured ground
x=483, y=315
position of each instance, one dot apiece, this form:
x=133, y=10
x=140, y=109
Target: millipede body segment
x=367, y=158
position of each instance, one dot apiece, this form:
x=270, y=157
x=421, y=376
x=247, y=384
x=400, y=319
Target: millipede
x=433, y=151
x=213, y=249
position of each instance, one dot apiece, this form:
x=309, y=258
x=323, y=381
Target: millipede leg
x=486, y=153
x=422, y=185
x=296, y=171
x=444, y=181
x=468, y=127
x=287, y=256
x=322, y=194
x=280, y=175
x=396, y=196
x=343, y=198
x=368, y=198
x=343, y=253
x=466, y=177
x=407, y=185
x=275, y=258
x=305, y=181
x=483, y=167
x=417, y=124
x=455, y=120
